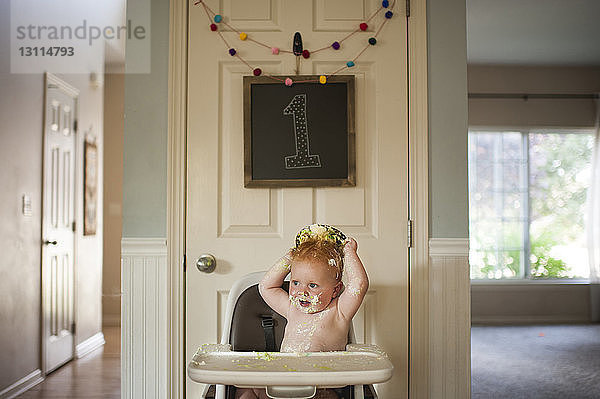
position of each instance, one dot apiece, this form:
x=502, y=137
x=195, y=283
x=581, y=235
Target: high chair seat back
x=251, y=325
x=255, y=326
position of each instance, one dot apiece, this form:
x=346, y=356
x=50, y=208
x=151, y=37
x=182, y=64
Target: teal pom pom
x=350, y=64
x=218, y=18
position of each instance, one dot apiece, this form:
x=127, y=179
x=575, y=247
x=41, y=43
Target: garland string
x=212, y=16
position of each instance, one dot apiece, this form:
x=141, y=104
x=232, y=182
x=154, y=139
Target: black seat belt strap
x=269, y=329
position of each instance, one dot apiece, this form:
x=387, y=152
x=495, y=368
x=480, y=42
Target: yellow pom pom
x=322, y=79
x=243, y=36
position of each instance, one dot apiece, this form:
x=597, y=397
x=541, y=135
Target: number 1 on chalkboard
x=303, y=158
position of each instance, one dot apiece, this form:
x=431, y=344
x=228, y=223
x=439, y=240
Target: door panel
x=248, y=229
x=58, y=209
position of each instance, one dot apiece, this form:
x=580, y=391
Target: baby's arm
x=357, y=282
x=270, y=286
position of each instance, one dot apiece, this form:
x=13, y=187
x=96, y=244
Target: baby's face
x=312, y=285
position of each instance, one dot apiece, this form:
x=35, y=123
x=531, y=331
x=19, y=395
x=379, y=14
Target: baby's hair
x=323, y=251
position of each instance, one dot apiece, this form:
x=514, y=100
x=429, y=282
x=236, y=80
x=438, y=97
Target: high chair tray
x=359, y=364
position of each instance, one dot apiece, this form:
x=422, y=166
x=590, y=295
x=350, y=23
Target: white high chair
x=247, y=356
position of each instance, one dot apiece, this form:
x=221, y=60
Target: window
x=527, y=204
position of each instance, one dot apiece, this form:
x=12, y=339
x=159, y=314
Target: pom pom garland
x=336, y=45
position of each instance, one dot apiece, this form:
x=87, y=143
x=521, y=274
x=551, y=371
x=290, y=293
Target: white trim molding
x=89, y=345
x=176, y=194
x=449, y=247
x=143, y=246
x=24, y=384
x=419, y=338
x=144, y=323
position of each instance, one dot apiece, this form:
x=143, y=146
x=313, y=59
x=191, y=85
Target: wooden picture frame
x=301, y=135
x=90, y=183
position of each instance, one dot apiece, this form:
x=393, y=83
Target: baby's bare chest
x=323, y=331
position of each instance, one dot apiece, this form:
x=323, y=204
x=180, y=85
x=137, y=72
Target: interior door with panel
x=247, y=229
x=58, y=217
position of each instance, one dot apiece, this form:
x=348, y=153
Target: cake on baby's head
x=321, y=232
x=321, y=242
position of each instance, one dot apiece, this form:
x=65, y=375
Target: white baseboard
x=25, y=383
x=92, y=343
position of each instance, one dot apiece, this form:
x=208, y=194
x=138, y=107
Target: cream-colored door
x=58, y=209
x=247, y=229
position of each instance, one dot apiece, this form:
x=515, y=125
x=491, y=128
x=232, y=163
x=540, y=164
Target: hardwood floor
x=96, y=375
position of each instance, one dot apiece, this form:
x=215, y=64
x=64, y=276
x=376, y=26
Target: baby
x=318, y=308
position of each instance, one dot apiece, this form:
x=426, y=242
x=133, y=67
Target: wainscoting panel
x=450, y=323
x=144, y=323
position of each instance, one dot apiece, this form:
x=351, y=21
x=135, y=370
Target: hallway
x=96, y=375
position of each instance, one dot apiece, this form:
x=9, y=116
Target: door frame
x=419, y=311
x=50, y=78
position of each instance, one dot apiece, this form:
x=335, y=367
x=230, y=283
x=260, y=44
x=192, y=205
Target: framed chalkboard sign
x=299, y=135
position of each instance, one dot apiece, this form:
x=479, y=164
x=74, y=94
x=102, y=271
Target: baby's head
x=316, y=272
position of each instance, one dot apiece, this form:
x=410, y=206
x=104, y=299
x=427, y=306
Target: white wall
x=533, y=80
x=145, y=146
x=447, y=74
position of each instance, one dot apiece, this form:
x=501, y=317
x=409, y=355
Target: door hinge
x=73, y=328
x=184, y=263
x=75, y=123
x=74, y=226
x=409, y=233
x=407, y=8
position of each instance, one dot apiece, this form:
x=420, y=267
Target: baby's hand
x=351, y=259
x=350, y=246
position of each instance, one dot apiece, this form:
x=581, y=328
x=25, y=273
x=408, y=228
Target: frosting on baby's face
x=312, y=285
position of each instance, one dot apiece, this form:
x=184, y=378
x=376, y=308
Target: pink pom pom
x=288, y=82
x=274, y=50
